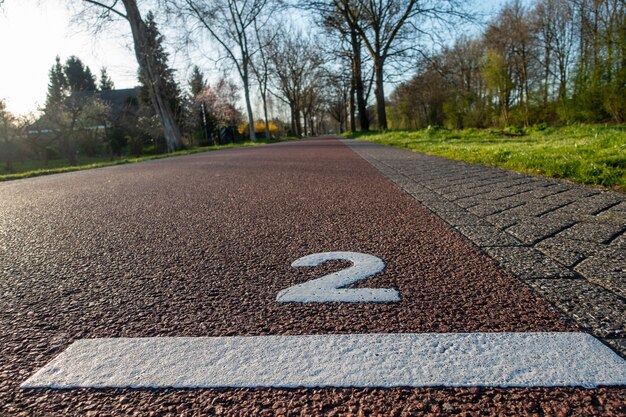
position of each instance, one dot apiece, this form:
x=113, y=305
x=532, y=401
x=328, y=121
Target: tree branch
x=110, y=8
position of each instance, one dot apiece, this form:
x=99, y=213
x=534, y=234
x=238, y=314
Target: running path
x=201, y=246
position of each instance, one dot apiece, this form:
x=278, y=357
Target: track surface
x=201, y=245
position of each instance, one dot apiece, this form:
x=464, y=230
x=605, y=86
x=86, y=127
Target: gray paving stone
x=469, y=201
x=589, y=305
x=451, y=189
x=528, y=263
x=518, y=199
x=492, y=207
x=430, y=195
x=607, y=268
x=537, y=229
x=549, y=190
x=440, y=205
x=593, y=204
x=465, y=192
x=598, y=232
x=505, y=219
x=557, y=200
x=486, y=180
x=569, y=252
x=534, y=208
x=488, y=236
x=578, y=192
x=619, y=241
x=520, y=188
x=500, y=193
x=462, y=218
x=617, y=212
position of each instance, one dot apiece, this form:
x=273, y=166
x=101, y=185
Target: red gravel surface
x=201, y=245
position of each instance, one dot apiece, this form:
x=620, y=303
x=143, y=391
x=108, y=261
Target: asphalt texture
x=200, y=246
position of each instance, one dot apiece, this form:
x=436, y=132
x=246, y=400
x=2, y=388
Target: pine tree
x=106, y=83
x=197, y=83
x=78, y=75
x=57, y=86
x=161, y=57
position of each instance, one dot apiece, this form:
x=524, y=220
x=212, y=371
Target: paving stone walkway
x=565, y=240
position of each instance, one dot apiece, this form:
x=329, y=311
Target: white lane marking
x=351, y=360
x=328, y=288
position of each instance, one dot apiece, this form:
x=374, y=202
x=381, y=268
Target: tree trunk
x=250, y=116
x=352, y=106
x=546, y=74
x=526, y=102
x=293, y=120
x=155, y=83
x=265, y=118
x=246, y=93
x=358, y=81
x=379, y=92
x=298, y=121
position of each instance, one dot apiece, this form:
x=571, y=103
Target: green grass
x=36, y=168
x=587, y=154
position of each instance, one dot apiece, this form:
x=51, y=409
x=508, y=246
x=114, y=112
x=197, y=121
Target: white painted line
x=361, y=360
x=328, y=289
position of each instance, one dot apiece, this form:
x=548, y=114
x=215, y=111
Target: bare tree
x=296, y=72
x=509, y=36
x=337, y=100
x=336, y=21
x=129, y=11
x=388, y=28
x=233, y=24
x=261, y=68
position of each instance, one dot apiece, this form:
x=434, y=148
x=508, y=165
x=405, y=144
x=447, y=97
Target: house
x=123, y=105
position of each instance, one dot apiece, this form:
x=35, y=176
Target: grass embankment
x=37, y=168
x=587, y=154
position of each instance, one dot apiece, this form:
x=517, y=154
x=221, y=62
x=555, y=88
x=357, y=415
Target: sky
x=34, y=32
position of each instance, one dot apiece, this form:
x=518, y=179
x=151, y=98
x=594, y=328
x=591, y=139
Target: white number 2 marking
x=328, y=288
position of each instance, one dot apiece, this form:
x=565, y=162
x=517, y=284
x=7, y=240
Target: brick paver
x=566, y=241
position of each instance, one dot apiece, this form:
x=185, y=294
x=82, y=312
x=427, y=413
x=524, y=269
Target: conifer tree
x=78, y=75
x=160, y=57
x=57, y=86
x=106, y=83
x=197, y=83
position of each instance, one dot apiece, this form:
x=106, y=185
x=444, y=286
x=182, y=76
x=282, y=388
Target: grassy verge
x=37, y=168
x=587, y=154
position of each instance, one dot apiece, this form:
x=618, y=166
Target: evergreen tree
x=78, y=75
x=106, y=83
x=198, y=118
x=197, y=83
x=66, y=113
x=170, y=88
x=57, y=86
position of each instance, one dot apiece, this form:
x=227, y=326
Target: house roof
x=118, y=100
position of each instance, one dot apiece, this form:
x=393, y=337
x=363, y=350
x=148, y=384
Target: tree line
x=325, y=78
x=553, y=61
